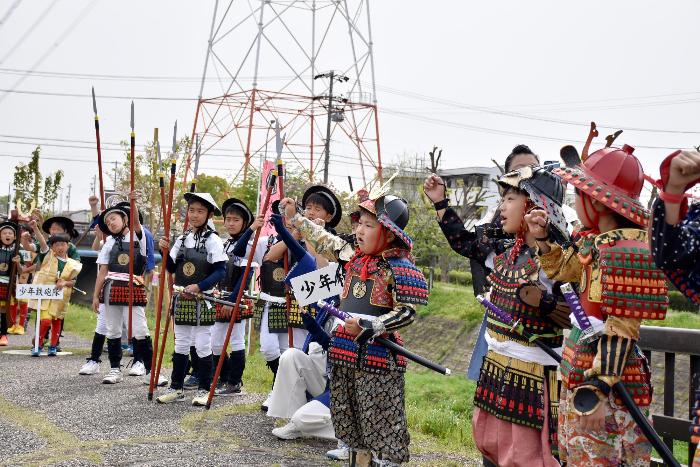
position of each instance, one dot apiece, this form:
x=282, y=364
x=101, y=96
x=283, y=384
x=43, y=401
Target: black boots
x=205, y=372
x=236, y=364
x=98, y=343
x=179, y=370
x=114, y=350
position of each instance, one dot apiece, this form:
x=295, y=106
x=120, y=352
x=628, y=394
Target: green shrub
x=678, y=302
x=460, y=277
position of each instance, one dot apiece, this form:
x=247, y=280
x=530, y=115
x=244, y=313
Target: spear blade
x=197, y=153
x=132, y=116
x=278, y=140
x=94, y=102
x=175, y=137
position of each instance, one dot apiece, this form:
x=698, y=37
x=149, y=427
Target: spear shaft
x=99, y=152
x=132, y=223
x=164, y=272
x=241, y=290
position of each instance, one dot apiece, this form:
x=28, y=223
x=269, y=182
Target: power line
x=69, y=94
x=507, y=113
x=29, y=30
x=112, y=77
x=465, y=126
x=9, y=11
x=67, y=32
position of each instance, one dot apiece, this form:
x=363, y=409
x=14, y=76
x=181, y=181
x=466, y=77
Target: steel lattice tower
x=260, y=65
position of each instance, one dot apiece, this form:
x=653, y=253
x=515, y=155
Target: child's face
x=234, y=223
x=55, y=228
x=60, y=249
x=371, y=236
x=115, y=222
x=198, y=214
x=314, y=211
x=512, y=211
x=7, y=236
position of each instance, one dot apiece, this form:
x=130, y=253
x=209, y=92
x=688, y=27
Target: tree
x=28, y=184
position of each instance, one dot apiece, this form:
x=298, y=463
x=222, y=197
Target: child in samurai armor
x=321, y=205
x=382, y=287
x=240, y=225
x=54, y=226
x=476, y=244
x=517, y=393
x=8, y=235
x=619, y=286
x=19, y=307
x=139, y=366
x=112, y=290
x=675, y=240
x=198, y=261
x=56, y=268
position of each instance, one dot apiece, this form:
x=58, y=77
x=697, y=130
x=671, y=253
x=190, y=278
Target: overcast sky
x=448, y=73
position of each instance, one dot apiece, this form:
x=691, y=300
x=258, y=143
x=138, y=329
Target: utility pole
x=68, y=198
x=94, y=183
x=115, y=175
x=332, y=76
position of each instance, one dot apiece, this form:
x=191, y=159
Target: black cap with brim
x=240, y=205
x=9, y=225
x=66, y=222
x=326, y=192
x=118, y=208
x=127, y=204
x=204, y=198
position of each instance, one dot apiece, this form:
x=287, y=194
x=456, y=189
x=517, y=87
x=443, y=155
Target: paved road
x=50, y=415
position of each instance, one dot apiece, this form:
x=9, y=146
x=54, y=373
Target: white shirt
x=103, y=256
x=213, y=244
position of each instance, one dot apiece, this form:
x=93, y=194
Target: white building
x=474, y=179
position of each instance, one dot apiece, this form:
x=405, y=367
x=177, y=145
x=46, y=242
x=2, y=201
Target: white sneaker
x=341, y=453
x=113, y=377
x=288, y=431
x=162, y=380
x=200, y=400
x=266, y=404
x=171, y=395
x=137, y=369
x=91, y=367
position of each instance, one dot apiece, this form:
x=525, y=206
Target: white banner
x=38, y=292
x=318, y=285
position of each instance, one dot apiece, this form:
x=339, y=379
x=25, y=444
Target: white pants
x=297, y=374
x=313, y=419
x=186, y=336
x=218, y=334
x=115, y=316
x=101, y=326
x=273, y=344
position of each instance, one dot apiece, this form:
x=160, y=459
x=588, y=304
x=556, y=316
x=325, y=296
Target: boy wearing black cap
x=112, y=289
x=198, y=261
x=240, y=225
x=56, y=268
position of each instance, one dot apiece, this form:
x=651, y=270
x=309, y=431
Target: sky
x=474, y=78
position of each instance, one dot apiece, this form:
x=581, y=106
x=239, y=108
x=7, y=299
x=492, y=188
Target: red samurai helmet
x=613, y=176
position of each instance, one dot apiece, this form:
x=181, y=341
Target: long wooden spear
x=132, y=211
x=161, y=277
x=193, y=185
x=99, y=151
x=279, y=142
x=165, y=253
x=241, y=290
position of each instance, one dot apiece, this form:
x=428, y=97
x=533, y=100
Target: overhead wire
x=29, y=31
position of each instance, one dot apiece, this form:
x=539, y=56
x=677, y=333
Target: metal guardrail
x=674, y=341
